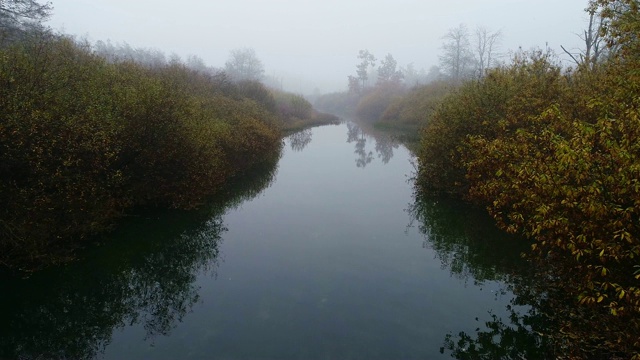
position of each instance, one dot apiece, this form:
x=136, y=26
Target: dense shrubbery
x=488, y=106
x=340, y=103
x=414, y=109
x=374, y=102
x=82, y=140
x=297, y=113
x=556, y=157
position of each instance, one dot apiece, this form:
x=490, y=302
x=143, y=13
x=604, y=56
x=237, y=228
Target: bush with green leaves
x=556, y=157
x=485, y=108
x=374, y=103
x=83, y=140
x=414, y=109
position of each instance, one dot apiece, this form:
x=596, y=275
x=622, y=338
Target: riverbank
x=84, y=141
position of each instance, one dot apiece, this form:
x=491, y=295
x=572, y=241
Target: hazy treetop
x=314, y=43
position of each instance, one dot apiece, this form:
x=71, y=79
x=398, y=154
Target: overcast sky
x=314, y=43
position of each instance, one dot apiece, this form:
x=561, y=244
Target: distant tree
x=174, y=59
x=151, y=58
x=409, y=72
x=410, y=75
x=14, y=13
x=354, y=85
x=457, y=59
x=243, y=64
x=486, y=46
x=16, y=16
x=595, y=47
x=366, y=60
x=388, y=72
x=434, y=74
x=194, y=62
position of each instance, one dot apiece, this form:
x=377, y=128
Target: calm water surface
x=329, y=256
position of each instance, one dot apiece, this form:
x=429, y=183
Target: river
x=326, y=255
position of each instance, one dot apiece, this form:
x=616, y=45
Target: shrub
x=415, y=108
x=83, y=140
x=373, y=104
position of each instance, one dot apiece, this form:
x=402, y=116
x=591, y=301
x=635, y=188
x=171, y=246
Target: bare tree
x=486, y=48
x=243, y=64
x=19, y=16
x=15, y=13
x=594, y=44
x=457, y=58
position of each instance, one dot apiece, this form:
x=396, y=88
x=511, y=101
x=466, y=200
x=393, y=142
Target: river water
x=326, y=255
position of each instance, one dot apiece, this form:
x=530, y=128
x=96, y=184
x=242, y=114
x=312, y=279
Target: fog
x=312, y=45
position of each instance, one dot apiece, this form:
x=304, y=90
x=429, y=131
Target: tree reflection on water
x=300, y=139
x=145, y=274
x=473, y=250
x=384, y=144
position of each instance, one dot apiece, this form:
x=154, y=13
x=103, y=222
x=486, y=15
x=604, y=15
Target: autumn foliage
x=555, y=156
x=83, y=140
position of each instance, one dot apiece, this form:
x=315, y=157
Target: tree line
x=384, y=92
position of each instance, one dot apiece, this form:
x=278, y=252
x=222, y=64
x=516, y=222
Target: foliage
x=367, y=60
x=296, y=113
x=414, y=108
x=256, y=91
x=82, y=140
x=292, y=106
x=482, y=107
x=388, y=72
x=473, y=251
x=244, y=64
x=620, y=25
x=340, y=103
x=374, y=103
x=556, y=158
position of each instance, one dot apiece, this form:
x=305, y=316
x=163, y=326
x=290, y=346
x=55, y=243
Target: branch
x=570, y=54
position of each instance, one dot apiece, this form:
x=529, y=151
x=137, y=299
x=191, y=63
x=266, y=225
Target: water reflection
x=143, y=275
x=384, y=144
x=384, y=148
x=474, y=251
x=300, y=140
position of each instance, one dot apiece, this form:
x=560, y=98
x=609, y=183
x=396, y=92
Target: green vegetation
x=84, y=140
x=411, y=111
x=556, y=157
x=296, y=113
x=388, y=103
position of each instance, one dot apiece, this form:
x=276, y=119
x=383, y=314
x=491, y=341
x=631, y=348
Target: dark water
x=327, y=256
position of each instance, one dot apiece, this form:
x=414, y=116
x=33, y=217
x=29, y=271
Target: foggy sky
x=314, y=43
